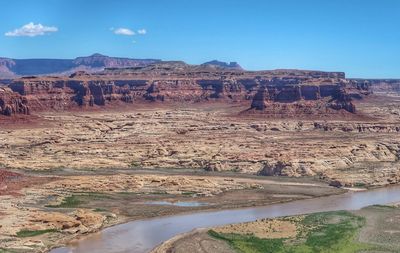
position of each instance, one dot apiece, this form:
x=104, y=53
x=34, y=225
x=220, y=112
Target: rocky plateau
x=274, y=93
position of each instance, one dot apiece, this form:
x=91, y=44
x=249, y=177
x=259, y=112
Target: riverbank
x=61, y=207
x=371, y=229
x=144, y=235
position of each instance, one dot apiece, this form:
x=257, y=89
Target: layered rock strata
x=179, y=82
x=12, y=103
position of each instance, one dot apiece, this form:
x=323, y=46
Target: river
x=143, y=235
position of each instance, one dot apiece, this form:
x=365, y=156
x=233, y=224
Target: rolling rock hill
x=272, y=93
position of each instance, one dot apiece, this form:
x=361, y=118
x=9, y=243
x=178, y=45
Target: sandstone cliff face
x=12, y=103
x=267, y=97
x=277, y=91
x=384, y=86
x=325, y=95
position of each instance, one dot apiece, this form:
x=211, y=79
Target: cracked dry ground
x=213, y=137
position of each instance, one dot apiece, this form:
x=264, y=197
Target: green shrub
x=68, y=202
x=30, y=233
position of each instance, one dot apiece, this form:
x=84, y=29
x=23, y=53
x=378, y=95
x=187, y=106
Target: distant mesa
x=13, y=68
x=220, y=64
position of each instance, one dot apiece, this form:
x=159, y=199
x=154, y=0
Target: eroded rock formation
x=277, y=91
x=337, y=94
x=12, y=103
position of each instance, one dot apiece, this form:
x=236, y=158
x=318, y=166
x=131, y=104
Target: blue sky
x=360, y=37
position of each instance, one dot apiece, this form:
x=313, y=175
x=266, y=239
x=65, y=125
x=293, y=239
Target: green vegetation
x=5, y=251
x=129, y=193
x=68, y=202
x=333, y=232
x=94, y=195
x=385, y=207
x=158, y=193
x=135, y=165
x=30, y=233
x=79, y=199
x=250, y=244
x=188, y=193
x=360, y=184
x=2, y=250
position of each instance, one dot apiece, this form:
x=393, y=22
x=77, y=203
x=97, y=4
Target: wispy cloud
x=32, y=30
x=142, y=31
x=124, y=31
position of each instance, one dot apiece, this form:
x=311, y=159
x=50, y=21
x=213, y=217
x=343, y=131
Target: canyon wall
x=12, y=103
x=334, y=96
x=385, y=86
x=178, y=82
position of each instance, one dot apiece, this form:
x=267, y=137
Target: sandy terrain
x=213, y=138
x=262, y=228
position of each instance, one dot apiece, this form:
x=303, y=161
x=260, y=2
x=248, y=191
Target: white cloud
x=142, y=31
x=31, y=30
x=124, y=31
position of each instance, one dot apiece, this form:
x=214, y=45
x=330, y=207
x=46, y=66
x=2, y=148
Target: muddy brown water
x=144, y=235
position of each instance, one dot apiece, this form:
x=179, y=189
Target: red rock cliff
x=177, y=82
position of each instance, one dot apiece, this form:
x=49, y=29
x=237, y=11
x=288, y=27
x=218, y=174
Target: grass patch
x=250, y=244
x=333, y=232
x=129, y=193
x=77, y=200
x=385, y=206
x=3, y=250
x=359, y=184
x=6, y=251
x=135, y=165
x=68, y=202
x=100, y=210
x=93, y=195
x=158, y=193
x=188, y=193
x=30, y=233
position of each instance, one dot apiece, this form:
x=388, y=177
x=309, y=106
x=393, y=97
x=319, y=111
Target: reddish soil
x=11, y=182
x=20, y=121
